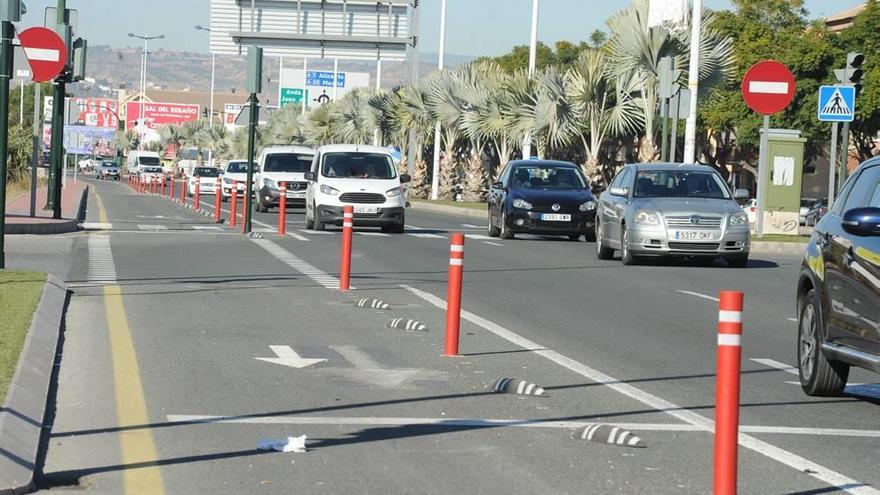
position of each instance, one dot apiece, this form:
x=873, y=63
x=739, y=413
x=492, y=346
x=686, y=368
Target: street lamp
x=213, y=60
x=146, y=38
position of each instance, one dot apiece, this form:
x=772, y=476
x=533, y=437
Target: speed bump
x=519, y=387
x=611, y=435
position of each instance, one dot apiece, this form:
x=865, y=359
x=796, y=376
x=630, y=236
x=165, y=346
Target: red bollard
x=152, y=184
x=453, y=294
x=218, y=196
x=183, y=189
x=163, y=184
x=727, y=392
x=345, y=269
x=234, y=205
x=198, y=193
x=171, y=187
x=282, y=208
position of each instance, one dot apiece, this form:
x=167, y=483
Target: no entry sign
x=45, y=52
x=768, y=87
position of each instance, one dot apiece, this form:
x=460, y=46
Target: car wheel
x=738, y=261
x=224, y=199
x=317, y=220
x=493, y=230
x=310, y=224
x=574, y=237
x=818, y=375
x=505, y=230
x=602, y=252
x=590, y=236
x=626, y=257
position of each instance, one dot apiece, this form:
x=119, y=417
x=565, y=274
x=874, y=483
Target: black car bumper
x=270, y=197
x=332, y=215
x=530, y=222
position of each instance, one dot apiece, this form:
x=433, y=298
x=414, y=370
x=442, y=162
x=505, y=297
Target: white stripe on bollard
x=730, y=339
x=456, y=248
x=456, y=261
x=725, y=316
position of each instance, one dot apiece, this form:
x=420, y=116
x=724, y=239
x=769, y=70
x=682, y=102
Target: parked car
x=806, y=203
x=664, y=209
x=108, y=171
x=362, y=176
x=541, y=197
x=838, y=291
x=235, y=171
x=815, y=213
x=207, y=178
x=287, y=164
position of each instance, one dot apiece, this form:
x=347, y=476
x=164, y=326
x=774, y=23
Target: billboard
x=84, y=140
x=158, y=114
x=319, y=85
x=90, y=112
x=230, y=112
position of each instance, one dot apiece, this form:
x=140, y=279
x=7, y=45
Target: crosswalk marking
x=152, y=227
x=102, y=269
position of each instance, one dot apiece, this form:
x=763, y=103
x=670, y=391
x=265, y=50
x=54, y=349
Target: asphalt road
x=160, y=390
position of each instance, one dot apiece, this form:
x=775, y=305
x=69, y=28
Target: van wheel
x=319, y=227
x=310, y=224
x=818, y=375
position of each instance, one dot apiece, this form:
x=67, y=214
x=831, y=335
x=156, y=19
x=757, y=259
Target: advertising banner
x=91, y=112
x=158, y=114
x=84, y=140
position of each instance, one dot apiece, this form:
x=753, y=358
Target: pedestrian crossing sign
x=837, y=103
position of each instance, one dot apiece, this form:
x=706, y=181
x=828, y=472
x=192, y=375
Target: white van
x=364, y=177
x=138, y=159
x=287, y=164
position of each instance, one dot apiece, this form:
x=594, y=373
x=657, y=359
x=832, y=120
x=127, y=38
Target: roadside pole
x=844, y=153
x=6, y=32
x=764, y=176
x=35, y=158
x=57, y=142
x=254, y=84
x=832, y=166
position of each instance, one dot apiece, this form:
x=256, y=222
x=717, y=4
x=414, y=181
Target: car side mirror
x=619, y=191
x=862, y=221
x=741, y=194
x=404, y=178
x=498, y=185
x=310, y=176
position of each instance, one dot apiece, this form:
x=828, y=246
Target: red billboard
x=158, y=114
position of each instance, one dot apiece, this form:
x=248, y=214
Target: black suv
x=839, y=288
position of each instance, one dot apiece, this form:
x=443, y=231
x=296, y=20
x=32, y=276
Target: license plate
x=297, y=194
x=693, y=235
x=555, y=217
x=366, y=209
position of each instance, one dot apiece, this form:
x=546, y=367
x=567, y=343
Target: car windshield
x=287, y=162
x=207, y=172
x=680, y=184
x=153, y=170
x=149, y=160
x=546, y=177
x=109, y=165
x=236, y=168
x=358, y=165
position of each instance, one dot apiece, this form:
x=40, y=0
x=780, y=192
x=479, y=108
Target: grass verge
x=19, y=294
x=781, y=238
x=461, y=204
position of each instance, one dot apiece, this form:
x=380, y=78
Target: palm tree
x=352, y=119
x=548, y=114
x=318, y=128
x=125, y=140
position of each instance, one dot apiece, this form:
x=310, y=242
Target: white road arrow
x=288, y=357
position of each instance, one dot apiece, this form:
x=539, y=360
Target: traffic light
x=204, y=113
x=854, y=72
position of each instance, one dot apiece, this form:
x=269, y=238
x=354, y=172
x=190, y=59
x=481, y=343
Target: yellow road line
x=137, y=444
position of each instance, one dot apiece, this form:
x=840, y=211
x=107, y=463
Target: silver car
x=662, y=209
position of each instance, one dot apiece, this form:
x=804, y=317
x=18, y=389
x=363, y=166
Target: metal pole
x=832, y=166
x=413, y=144
x=664, y=130
x=35, y=158
x=213, y=61
x=435, y=179
x=54, y=193
x=763, y=174
x=252, y=127
x=21, y=105
x=143, y=125
x=6, y=32
x=378, y=87
x=844, y=153
x=690, y=130
x=280, y=70
x=533, y=56
x=305, y=99
x=675, y=103
x=335, y=77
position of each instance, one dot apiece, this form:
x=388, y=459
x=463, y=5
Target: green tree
x=864, y=36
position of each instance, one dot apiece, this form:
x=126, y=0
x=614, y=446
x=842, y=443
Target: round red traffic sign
x=768, y=87
x=45, y=51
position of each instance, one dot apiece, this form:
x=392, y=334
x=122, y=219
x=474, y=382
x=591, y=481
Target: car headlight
x=522, y=204
x=330, y=191
x=647, y=217
x=393, y=193
x=739, y=218
x=227, y=180
x=588, y=206
x=270, y=183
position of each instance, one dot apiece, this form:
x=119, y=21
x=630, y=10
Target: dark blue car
x=839, y=288
x=542, y=197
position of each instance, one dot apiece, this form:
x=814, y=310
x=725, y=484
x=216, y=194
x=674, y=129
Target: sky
x=474, y=27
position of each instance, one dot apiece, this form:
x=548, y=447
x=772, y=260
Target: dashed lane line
x=493, y=243
x=801, y=464
x=697, y=294
x=776, y=364
x=297, y=264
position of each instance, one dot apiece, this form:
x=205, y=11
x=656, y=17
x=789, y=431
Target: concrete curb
x=778, y=247
x=23, y=414
x=63, y=227
x=451, y=210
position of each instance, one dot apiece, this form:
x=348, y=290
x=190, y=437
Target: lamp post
x=146, y=38
x=435, y=179
x=213, y=61
x=533, y=56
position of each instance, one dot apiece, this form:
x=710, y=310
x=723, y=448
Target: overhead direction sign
x=45, y=51
x=837, y=103
x=768, y=87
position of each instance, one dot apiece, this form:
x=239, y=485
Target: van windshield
x=206, y=172
x=236, y=168
x=149, y=160
x=287, y=162
x=358, y=165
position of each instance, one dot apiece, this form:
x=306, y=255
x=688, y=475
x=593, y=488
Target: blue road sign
x=322, y=78
x=837, y=103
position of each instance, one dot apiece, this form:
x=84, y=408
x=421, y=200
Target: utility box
x=784, y=179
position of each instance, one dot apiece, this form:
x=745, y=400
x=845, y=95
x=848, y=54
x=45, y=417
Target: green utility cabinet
x=783, y=177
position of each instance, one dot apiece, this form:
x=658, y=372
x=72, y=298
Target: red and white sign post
x=45, y=51
x=767, y=88
x=727, y=392
x=347, y=227
x=453, y=294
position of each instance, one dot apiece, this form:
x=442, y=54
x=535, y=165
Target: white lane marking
x=96, y=226
x=414, y=227
x=316, y=232
x=522, y=423
x=479, y=237
x=493, y=243
x=206, y=227
x=102, y=269
x=470, y=226
x=768, y=87
x=297, y=264
x=776, y=364
x=426, y=236
x=791, y=319
x=152, y=227
x=790, y=459
x=298, y=237
x=356, y=357
x=373, y=234
x=697, y=294
x=286, y=356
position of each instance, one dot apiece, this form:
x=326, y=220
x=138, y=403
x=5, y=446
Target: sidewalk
x=73, y=198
